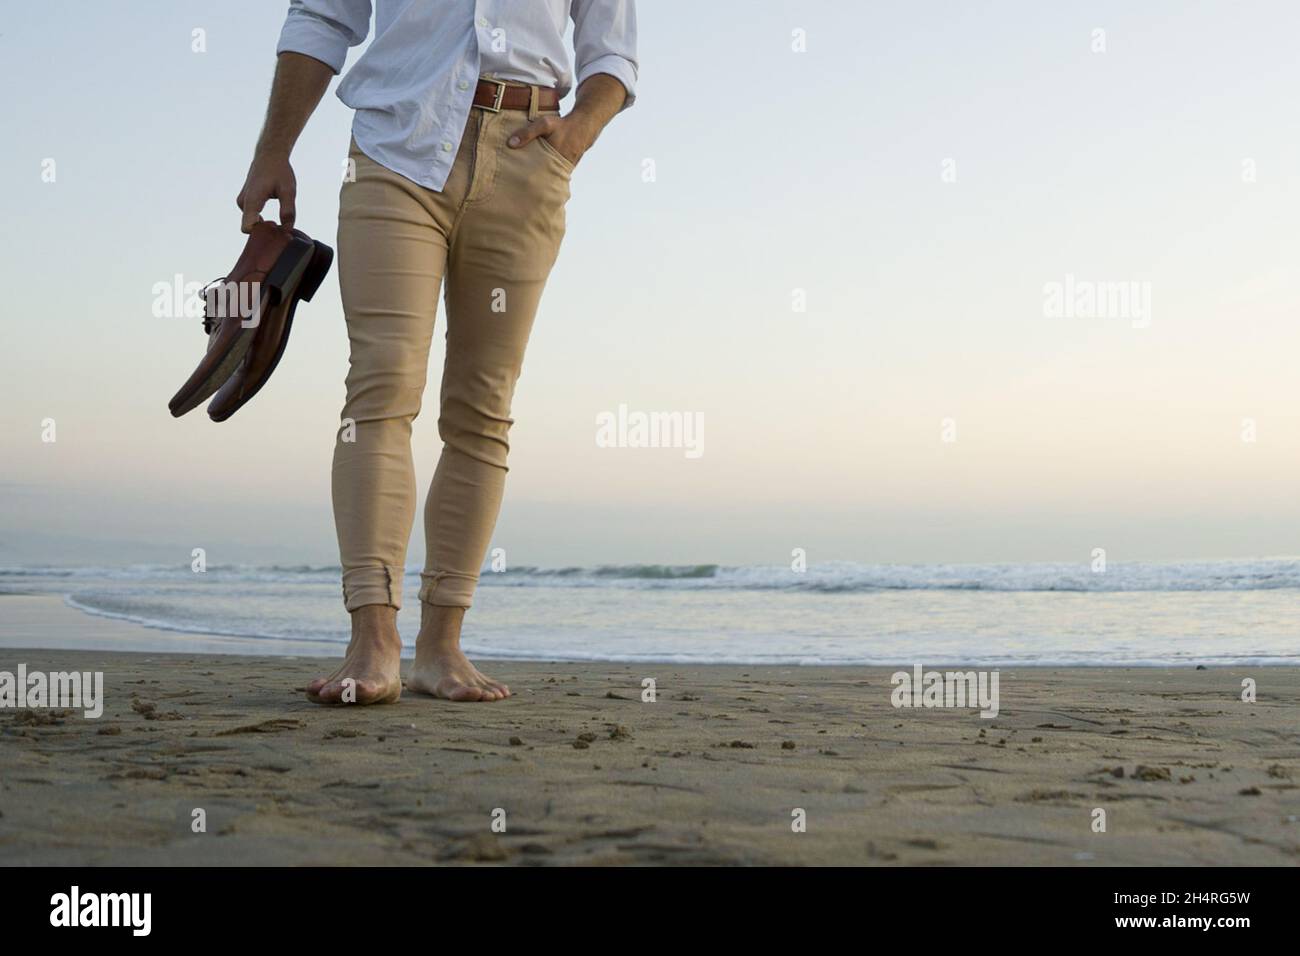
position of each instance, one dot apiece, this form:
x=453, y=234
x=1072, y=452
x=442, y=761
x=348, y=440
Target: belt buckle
x=496, y=102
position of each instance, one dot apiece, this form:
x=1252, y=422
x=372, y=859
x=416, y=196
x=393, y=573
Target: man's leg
x=392, y=254
x=505, y=242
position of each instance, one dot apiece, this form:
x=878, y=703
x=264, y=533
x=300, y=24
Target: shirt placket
x=464, y=79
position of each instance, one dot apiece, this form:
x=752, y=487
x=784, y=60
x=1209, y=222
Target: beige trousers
x=490, y=237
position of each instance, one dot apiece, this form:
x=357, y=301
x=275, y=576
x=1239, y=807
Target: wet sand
x=581, y=770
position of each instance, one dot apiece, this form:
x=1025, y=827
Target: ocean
x=1220, y=612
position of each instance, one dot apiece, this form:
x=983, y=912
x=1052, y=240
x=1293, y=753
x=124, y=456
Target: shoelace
x=209, y=321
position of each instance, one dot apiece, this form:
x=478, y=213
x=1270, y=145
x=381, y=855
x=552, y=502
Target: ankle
x=439, y=628
x=442, y=621
x=437, y=645
x=376, y=624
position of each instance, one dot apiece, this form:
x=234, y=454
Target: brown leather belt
x=495, y=96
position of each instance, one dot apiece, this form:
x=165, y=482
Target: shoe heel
x=321, y=259
x=281, y=274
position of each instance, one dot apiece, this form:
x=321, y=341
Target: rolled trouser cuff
x=447, y=588
x=373, y=585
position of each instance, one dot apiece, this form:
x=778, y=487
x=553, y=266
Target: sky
x=842, y=260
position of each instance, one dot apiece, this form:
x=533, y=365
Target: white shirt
x=413, y=87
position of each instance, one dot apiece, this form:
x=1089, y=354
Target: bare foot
x=372, y=664
x=441, y=670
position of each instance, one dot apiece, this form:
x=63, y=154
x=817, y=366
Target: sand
x=580, y=770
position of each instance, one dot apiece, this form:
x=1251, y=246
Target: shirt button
x=463, y=85
x=482, y=21
x=446, y=147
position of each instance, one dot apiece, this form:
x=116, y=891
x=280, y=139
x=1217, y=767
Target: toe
x=458, y=691
x=372, y=691
x=335, y=691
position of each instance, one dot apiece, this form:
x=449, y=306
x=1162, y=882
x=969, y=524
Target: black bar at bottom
x=335, y=906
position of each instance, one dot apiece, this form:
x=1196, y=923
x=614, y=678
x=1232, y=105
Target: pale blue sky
x=776, y=171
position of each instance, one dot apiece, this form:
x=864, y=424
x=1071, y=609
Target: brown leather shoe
x=272, y=335
x=236, y=306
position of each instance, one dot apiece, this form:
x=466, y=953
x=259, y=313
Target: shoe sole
x=218, y=377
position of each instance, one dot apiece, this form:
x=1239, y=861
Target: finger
x=288, y=210
x=538, y=127
x=252, y=215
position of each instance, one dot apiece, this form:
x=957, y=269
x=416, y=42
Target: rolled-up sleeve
x=324, y=29
x=604, y=41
